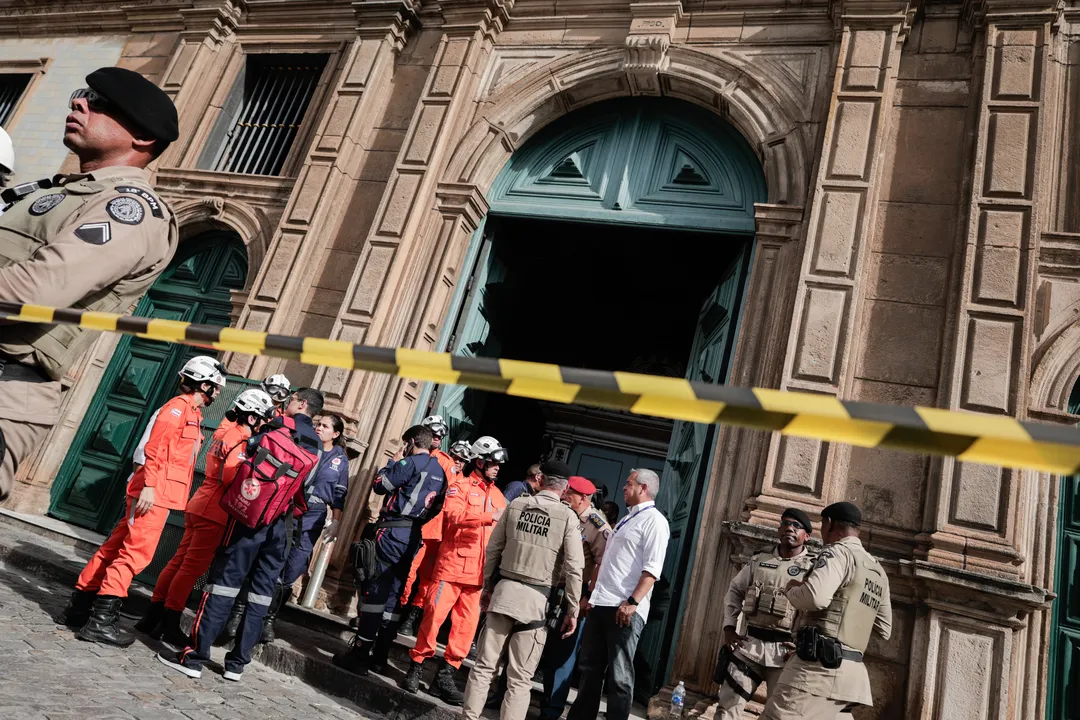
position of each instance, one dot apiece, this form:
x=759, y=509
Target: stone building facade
x=915, y=240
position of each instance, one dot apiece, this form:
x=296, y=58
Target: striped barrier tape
x=971, y=437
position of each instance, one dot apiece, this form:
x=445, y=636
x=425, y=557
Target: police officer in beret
x=757, y=593
x=95, y=240
x=843, y=599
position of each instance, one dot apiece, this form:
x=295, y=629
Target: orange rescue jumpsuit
x=431, y=534
x=458, y=576
x=170, y=463
x=204, y=520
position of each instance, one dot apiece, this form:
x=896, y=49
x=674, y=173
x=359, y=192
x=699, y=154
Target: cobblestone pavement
x=45, y=672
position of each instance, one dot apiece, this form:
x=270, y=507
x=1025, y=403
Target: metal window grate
x=12, y=87
x=276, y=93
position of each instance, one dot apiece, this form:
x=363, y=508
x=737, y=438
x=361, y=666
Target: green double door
x=90, y=488
x=1063, y=691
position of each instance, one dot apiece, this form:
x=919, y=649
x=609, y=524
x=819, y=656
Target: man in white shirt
x=619, y=605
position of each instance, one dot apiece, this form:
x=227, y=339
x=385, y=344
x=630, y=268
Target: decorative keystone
x=650, y=36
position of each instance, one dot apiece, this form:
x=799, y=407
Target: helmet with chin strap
x=489, y=450
x=277, y=387
x=436, y=425
x=204, y=369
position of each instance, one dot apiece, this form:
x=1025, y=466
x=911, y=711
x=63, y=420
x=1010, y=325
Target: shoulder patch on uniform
x=822, y=559
x=177, y=412
x=155, y=205
x=451, y=492
x=403, y=461
x=45, y=203
x=596, y=520
x=97, y=233
x=126, y=210
x=794, y=570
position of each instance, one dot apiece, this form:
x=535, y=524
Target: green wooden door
x=142, y=375
x=1063, y=691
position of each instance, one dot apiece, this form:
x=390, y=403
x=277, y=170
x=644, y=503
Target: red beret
x=581, y=485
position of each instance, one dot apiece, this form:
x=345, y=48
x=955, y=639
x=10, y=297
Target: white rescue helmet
x=277, y=387
x=255, y=401
x=461, y=450
x=7, y=153
x=203, y=368
x=488, y=449
x=436, y=425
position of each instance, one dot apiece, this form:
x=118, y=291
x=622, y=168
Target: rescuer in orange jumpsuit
x=473, y=506
x=204, y=519
x=161, y=485
x=419, y=579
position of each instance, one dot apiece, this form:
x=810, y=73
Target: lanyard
x=628, y=518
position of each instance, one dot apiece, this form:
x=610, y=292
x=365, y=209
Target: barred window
x=263, y=114
x=12, y=87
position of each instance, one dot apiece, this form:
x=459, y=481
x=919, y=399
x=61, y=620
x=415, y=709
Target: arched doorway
x=1063, y=690
x=142, y=375
x=618, y=239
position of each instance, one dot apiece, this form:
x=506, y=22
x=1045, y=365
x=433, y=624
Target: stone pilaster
x=836, y=252
x=324, y=181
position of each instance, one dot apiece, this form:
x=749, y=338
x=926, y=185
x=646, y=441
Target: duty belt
x=853, y=655
x=768, y=634
x=13, y=370
x=396, y=522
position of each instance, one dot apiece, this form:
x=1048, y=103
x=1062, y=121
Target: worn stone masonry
x=920, y=244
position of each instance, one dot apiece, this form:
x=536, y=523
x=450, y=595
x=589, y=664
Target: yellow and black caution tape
x=972, y=437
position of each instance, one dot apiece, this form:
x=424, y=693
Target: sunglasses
x=94, y=100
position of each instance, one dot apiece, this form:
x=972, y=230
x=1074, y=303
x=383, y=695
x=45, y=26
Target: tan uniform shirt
x=595, y=532
x=768, y=654
x=119, y=231
x=849, y=682
x=518, y=600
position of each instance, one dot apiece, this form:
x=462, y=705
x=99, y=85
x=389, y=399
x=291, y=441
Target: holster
x=722, y=673
x=812, y=646
x=830, y=652
x=806, y=643
x=555, y=608
x=363, y=558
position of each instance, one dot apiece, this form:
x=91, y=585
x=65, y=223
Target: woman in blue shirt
x=325, y=487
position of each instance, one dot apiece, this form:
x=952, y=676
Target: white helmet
x=461, y=450
x=488, y=448
x=277, y=387
x=7, y=153
x=255, y=401
x=436, y=425
x=202, y=369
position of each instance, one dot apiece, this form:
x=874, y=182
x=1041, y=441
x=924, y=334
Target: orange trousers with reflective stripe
x=193, y=558
x=462, y=604
x=126, y=553
x=420, y=573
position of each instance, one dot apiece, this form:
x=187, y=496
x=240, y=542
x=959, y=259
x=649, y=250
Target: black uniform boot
x=151, y=621
x=411, y=621
x=445, y=687
x=102, y=627
x=170, y=632
x=411, y=681
x=268, y=634
x=232, y=625
x=356, y=658
x=77, y=611
x=380, y=651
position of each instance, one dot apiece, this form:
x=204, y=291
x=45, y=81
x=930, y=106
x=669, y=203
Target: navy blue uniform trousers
x=311, y=526
x=395, y=548
x=260, y=553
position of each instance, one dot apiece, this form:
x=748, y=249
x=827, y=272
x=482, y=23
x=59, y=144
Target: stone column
x=836, y=252
x=316, y=204
x=971, y=654
x=740, y=460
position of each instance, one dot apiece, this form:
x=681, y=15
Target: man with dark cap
x=95, y=241
x=757, y=593
x=842, y=600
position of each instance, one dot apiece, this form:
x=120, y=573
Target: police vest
x=850, y=616
x=764, y=604
x=535, y=529
x=23, y=231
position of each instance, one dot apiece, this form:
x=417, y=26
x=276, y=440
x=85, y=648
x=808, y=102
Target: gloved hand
x=330, y=531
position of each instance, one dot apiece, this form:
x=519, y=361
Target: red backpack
x=266, y=483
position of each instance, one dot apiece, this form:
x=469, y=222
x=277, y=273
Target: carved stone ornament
x=650, y=36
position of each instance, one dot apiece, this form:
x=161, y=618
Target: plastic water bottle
x=678, y=701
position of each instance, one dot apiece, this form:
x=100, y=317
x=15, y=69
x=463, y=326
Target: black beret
x=143, y=102
x=556, y=467
x=800, y=517
x=842, y=512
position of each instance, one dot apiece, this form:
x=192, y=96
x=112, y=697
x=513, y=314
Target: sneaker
x=191, y=672
x=230, y=675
